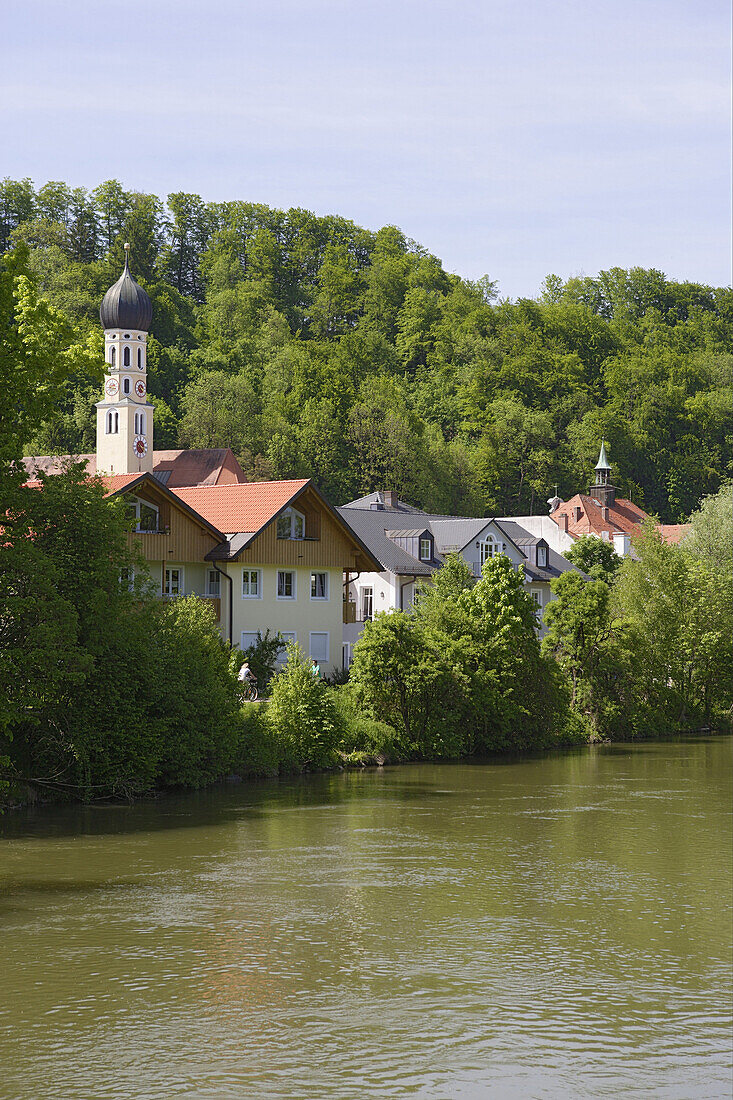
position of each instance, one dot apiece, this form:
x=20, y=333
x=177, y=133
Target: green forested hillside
x=314, y=347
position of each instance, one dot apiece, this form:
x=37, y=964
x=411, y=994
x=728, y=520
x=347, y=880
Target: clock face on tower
x=111, y=386
x=140, y=445
x=140, y=388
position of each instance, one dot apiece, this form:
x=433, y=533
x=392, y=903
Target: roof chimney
x=390, y=498
x=563, y=520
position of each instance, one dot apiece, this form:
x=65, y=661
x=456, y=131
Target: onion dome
x=126, y=305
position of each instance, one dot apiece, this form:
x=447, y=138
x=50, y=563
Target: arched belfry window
x=139, y=358
x=125, y=385
x=126, y=357
x=113, y=422
x=113, y=356
x=139, y=423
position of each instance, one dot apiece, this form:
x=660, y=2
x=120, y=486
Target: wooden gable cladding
x=180, y=537
x=327, y=543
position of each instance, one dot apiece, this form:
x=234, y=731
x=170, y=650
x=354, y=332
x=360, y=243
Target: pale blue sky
x=510, y=138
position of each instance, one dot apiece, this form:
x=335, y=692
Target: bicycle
x=248, y=692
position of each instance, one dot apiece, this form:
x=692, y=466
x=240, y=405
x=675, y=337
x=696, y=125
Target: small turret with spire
x=602, y=490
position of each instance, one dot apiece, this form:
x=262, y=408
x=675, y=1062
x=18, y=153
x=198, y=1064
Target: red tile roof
x=622, y=516
x=241, y=508
x=673, y=532
x=114, y=482
x=214, y=466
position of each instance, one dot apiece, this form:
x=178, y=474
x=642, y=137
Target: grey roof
x=126, y=305
x=556, y=563
x=371, y=527
x=232, y=546
x=408, y=533
x=378, y=498
x=453, y=531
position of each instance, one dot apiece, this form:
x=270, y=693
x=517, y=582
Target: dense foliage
x=314, y=347
x=462, y=673
x=650, y=652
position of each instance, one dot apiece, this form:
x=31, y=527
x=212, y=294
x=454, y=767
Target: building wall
x=300, y=616
x=545, y=527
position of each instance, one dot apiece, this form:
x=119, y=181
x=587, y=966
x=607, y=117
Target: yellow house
x=283, y=563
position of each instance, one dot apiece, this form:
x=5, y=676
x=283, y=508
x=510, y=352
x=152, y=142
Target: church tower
x=124, y=415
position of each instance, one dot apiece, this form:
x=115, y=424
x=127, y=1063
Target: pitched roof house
x=601, y=513
x=411, y=544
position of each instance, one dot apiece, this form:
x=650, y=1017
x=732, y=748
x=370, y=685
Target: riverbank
x=263, y=759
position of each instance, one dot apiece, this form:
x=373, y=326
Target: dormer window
x=291, y=525
x=426, y=549
x=542, y=557
x=489, y=548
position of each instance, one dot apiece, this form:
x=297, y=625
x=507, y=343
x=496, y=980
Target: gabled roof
x=556, y=563
x=244, y=508
x=371, y=528
x=212, y=466
x=123, y=483
x=623, y=516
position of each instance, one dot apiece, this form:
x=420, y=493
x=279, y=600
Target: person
x=315, y=669
x=246, y=674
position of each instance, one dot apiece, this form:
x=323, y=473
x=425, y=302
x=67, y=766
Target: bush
x=365, y=735
x=302, y=714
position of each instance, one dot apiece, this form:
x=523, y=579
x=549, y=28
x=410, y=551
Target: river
x=557, y=926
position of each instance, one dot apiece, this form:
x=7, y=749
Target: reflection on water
x=550, y=927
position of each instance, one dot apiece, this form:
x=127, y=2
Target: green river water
x=558, y=926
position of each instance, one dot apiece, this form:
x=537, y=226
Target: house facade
x=411, y=544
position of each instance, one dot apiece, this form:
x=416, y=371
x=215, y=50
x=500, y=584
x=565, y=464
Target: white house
x=411, y=544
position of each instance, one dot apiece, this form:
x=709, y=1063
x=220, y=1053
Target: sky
x=511, y=139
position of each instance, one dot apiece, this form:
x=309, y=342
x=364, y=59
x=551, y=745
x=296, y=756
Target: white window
x=319, y=586
x=537, y=596
x=126, y=384
x=367, y=604
x=250, y=638
x=346, y=655
x=113, y=422
x=126, y=357
x=489, y=548
x=251, y=586
x=319, y=646
x=145, y=515
x=127, y=579
x=213, y=582
x=173, y=581
x=285, y=584
x=542, y=556
x=426, y=549
x=291, y=525
x=287, y=636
